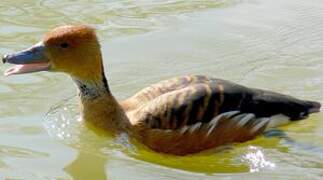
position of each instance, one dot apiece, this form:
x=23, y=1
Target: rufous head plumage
x=72, y=49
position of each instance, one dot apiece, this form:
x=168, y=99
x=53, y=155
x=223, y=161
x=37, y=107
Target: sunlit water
x=276, y=45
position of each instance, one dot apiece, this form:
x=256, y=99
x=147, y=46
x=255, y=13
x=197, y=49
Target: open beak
x=30, y=60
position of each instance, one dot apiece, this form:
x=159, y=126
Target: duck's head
x=71, y=49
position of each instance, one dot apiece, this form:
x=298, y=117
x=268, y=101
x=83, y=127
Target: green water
x=276, y=45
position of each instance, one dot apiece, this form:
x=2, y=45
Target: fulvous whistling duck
x=179, y=116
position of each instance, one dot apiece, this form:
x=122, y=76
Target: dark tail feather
x=267, y=103
x=313, y=107
x=300, y=109
x=308, y=107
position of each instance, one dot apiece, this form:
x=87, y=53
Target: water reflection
x=93, y=147
x=88, y=163
x=62, y=123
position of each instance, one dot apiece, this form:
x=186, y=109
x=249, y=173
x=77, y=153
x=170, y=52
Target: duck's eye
x=64, y=45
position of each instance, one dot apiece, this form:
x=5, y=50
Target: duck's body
x=180, y=116
x=192, y=113
x=188, y=114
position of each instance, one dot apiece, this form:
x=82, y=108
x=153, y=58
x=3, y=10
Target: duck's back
x=148, y=94
x=210, y=96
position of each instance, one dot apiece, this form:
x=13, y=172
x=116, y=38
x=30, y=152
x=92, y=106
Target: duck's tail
x=313, y=107
x=294, y=114
x=300, y=109
x=267, y=103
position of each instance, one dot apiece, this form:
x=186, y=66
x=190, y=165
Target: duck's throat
x=99, y=107
x=92, y=88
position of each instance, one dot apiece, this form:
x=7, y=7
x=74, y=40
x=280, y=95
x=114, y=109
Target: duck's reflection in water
x=88, y=165
x=61, y=122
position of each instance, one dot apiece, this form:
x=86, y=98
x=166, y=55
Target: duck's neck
x=98, y=106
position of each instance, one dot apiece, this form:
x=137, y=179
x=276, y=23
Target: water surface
x=276, y=45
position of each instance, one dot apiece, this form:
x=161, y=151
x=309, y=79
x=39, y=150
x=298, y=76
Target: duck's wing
x=201, y=102
x=197, y=105
x=225, y=128
x=195, y=118
x=155, y=90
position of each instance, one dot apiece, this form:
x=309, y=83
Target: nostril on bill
x=4, y=58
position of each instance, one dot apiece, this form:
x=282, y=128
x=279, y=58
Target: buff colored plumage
x=180, y=116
